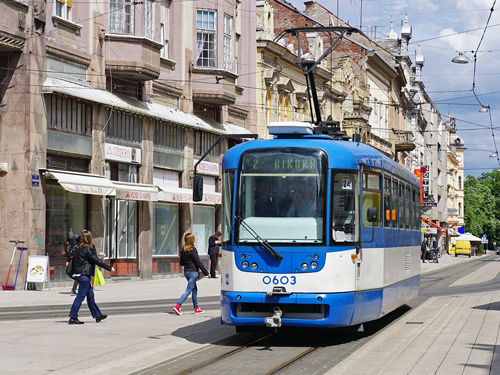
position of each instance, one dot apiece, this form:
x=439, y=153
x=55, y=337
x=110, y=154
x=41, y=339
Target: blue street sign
x=484, y=235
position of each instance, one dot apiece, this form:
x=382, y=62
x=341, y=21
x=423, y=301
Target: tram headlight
x=314, y=265
x=243, y=256
x=304, y=266
x=316, y=256
x=254, y=266
x=245, y=264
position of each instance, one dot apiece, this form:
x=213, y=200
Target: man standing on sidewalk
x=423, y=249
x=213, y=252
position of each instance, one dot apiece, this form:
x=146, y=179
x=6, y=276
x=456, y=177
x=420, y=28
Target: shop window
x=165, y=229
x=124, y=126
x=69, y=115
x=120, y=239
x=168, y=135
x=122, y=172
x=203, y=226
x=66, y=216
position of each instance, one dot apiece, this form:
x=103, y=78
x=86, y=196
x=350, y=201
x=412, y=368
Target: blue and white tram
x=316, y=232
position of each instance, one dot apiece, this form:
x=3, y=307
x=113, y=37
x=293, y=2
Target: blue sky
x=441, y=28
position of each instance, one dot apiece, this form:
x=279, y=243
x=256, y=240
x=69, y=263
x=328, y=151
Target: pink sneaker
x=177, y=309
x=198, y=311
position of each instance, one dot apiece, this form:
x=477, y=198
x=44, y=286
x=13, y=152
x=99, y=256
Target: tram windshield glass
x=281, y=195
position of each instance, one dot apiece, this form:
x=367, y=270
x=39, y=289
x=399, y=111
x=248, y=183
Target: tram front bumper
x=298, y=309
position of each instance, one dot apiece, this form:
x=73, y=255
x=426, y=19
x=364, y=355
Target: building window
x=203, y=141
x=69, y=115
x=121, y=16
x=459, y=182
x=63, y=9
x=168, y=135
x=124, y=126
x=166, y=229
x=228, y=43
x=459, y=209
x=148, y=20
x=164, y=41
x=205, y=38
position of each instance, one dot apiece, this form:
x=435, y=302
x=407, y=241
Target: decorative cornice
x=132, y=39
x=68, y=56
x=214, y=71
x=170, y=63
x=221, y=98
x=18, y=5
x=238, y=111
x=168, y=89
x=131, y=69
x=56, y=21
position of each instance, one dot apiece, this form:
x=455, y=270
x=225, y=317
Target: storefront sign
x=186, y=196
x=135, y=195
x=123, y=153
x=207, y=167
x=37, y=269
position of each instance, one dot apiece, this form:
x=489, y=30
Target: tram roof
x=341, y=154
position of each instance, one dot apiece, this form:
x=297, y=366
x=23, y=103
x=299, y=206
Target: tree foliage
x=482, y=205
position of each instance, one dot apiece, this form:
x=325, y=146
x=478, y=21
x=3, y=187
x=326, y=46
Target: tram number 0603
x=283, y=280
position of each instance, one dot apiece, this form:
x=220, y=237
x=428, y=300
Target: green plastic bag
x=98, y=278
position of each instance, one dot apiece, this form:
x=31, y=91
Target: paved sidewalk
x=444, y=335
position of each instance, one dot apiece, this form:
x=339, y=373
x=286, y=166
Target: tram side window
x=345, y=207
x=407, y=209
x=417, y=210
x=227, y=204
x=372, y=193
x=395, y=205
x=401, y=206
x=387, y=202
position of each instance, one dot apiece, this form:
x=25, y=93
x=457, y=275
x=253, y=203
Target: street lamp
x=484, y=109
x=494, y=154
x=460, y=58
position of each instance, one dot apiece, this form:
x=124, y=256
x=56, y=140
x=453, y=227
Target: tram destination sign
x=282, y=162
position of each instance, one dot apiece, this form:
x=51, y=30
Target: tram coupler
x=275, y=320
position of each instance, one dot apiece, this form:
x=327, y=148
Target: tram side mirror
x=197, y=188
x=371, y=214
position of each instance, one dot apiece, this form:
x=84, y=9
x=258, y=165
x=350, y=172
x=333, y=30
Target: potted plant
x=480, y=250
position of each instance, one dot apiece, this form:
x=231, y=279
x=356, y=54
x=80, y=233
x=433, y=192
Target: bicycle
x=434, y=256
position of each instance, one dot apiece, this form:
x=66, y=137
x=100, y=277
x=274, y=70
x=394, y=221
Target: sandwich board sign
x=38, y=270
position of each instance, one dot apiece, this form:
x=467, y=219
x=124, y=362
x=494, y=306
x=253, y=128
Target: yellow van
x=462, y=247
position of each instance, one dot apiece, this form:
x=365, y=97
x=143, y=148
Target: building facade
x=106, y=109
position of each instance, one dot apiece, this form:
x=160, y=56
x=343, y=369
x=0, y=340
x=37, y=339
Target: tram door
x=120, y=238
x=369, y=256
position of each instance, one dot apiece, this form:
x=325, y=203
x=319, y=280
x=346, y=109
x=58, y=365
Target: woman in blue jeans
x=192, y=263
x=84, y=262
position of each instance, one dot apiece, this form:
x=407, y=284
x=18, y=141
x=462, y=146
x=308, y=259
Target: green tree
x=481, y=205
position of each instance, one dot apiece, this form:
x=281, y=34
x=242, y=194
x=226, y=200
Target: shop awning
x=136, y=192
x=83, y=183
x=179, y=195
x=427, y=221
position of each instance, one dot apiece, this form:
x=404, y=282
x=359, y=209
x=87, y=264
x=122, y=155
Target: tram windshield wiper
x=260, y=240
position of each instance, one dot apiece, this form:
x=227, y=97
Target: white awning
x=84, y=183
x=136, y=192
x=180, y=195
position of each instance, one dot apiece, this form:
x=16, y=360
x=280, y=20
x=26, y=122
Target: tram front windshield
x=281, y=195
